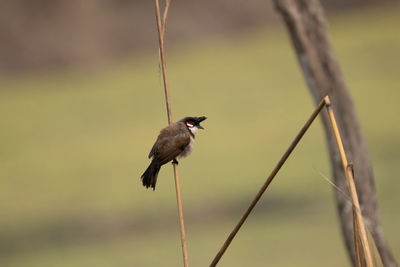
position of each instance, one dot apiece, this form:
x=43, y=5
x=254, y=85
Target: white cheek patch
x=189, y=124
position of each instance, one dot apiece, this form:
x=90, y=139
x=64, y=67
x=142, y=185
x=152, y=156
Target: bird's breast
x=188, y=149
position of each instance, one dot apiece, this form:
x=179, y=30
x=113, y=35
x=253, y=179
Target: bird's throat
x=193, y=130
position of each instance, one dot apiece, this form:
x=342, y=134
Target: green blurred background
x=74, y=140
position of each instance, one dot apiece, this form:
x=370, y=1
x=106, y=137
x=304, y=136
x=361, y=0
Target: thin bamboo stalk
x=357, y=239
x=355, y=224
x=161, y=27
x=161, y=30
x=348, y=169
x=357, y=236
x=165, y=14
x=267, y=182
x=360, y=222
x=181, y=221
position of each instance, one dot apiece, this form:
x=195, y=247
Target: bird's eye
x=189, y=124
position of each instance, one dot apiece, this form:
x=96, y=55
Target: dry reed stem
x=355, y=225
x=352, y=188
x=375, y=251
x=161, y=27
x=370, y=237
x=161, y=31
x=359, y=219
x=267, y=183
x=357, y=239
x=165, y=14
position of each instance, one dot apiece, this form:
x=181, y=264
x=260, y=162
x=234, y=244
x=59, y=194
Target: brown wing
x=171, y=141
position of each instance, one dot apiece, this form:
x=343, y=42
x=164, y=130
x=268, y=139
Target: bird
x=174, y=141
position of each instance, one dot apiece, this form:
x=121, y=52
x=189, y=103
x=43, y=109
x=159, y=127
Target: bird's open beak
x=200, y=119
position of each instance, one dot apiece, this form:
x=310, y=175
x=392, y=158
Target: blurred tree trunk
x=306, y=24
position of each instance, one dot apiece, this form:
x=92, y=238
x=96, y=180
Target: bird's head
x=193, y=123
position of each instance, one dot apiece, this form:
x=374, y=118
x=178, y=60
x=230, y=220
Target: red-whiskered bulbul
x=174, y=141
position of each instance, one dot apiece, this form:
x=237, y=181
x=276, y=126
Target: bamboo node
x=327, y=101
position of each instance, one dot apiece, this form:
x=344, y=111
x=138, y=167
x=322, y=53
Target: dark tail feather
x=149, y=177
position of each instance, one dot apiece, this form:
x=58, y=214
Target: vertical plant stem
x=360, y=221
x=161, y=31
x=267, y=183
x=161, y=26
x=348, y=169
x=181, y=222
x=164, y=17
x=357, y=239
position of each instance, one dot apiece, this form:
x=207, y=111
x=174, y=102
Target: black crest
x=194, y=120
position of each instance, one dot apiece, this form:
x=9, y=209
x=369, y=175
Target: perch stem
x=161, y=27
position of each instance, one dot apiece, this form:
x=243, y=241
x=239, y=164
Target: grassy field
x=74, y=144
